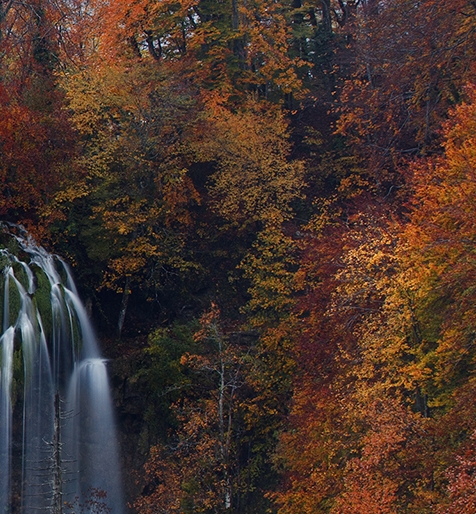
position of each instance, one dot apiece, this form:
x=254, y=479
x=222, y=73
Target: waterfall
x=58, y=449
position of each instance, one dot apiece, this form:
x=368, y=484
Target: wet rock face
x=132, y=404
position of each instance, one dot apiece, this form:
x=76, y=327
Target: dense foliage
x=270, y=207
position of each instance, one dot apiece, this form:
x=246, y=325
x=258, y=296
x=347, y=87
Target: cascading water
x=58, y=450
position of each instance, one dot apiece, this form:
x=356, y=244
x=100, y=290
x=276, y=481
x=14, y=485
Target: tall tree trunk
x=124, y=304
x=57, y=470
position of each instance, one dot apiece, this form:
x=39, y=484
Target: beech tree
x=441, y=233
x=211, y=470
x=255, y=181
x=229, y=47
x=136, y=189
x=37, y=139
x=385, y=333
x=406, y=76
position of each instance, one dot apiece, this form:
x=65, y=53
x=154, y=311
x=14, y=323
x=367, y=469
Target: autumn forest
x=270, y=210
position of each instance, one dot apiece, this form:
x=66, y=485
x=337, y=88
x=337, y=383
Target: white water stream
x=63, y=458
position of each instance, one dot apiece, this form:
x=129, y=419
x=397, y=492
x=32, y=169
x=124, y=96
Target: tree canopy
x=269, y=206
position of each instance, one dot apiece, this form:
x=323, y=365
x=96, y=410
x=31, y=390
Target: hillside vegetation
x=270, y=208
